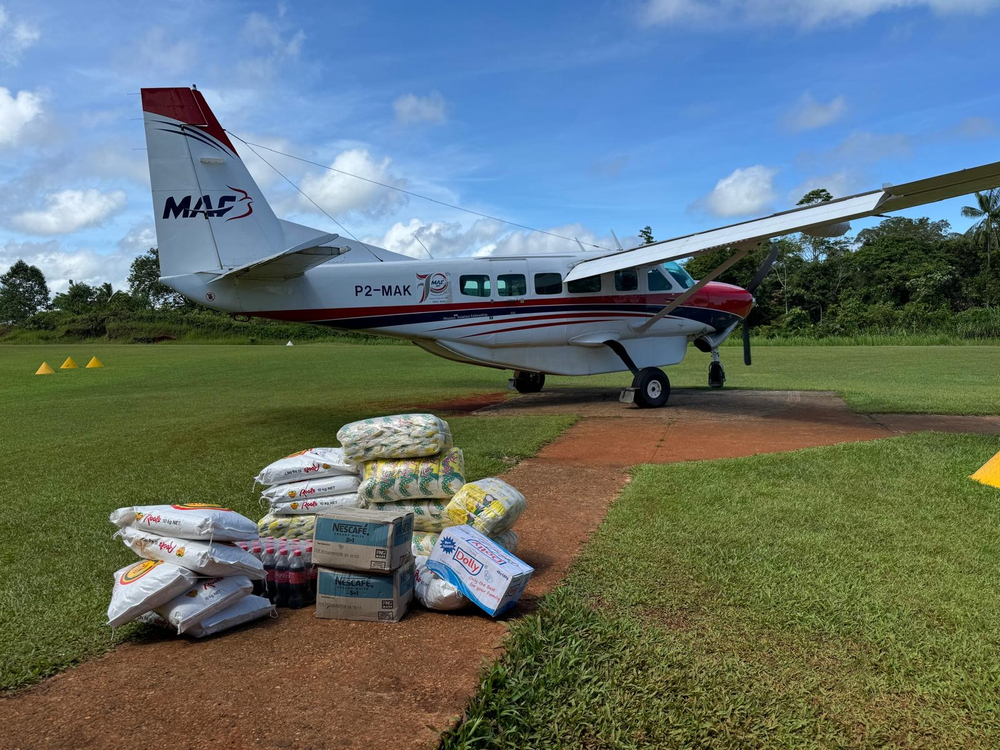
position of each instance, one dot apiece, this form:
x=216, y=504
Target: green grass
x=833, y=597
x=176, y=424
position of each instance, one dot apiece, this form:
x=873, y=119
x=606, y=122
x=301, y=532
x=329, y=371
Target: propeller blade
x=763, y=270
x=746, y=343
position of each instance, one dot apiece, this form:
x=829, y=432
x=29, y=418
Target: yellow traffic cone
x=45, y=370
x=94, y=362
x=69, y=364
x=989, y=473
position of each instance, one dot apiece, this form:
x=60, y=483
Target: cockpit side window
x=657, y=281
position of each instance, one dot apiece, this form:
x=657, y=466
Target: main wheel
x=528, y=382
x=652, y=388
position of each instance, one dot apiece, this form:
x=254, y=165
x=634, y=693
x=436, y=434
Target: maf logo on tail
x=182, y=209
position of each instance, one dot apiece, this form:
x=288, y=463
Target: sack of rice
x=397, y=436
x=290, y=527
x=433, y=591
x=204, y=600
x=428, y=515
x=308, y=464
x=214, y=559
x=391, y=479
x=490, y=506
x=248, y=608
x=315, y=505
x=190, y=521
x=312, y=488
x=143, y=585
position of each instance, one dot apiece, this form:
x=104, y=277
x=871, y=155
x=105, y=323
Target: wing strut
x=741, y=251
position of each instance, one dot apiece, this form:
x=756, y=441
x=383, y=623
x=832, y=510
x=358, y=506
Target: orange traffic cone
x=45, y=370
x=94, y=362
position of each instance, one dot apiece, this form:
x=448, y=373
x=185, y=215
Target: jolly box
x=359, y=539
x=377, y=597
x=481, y=569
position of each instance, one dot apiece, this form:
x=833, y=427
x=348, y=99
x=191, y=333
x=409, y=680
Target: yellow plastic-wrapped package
x=397, y=436
x=290, y=527
x=490, y=506
x=424, y=541
x=428, y=515
x=393, y=479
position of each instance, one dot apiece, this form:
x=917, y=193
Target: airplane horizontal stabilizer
x=288, y=264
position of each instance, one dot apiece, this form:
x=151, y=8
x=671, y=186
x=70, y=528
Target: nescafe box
x=374, y=597
x=362, y=539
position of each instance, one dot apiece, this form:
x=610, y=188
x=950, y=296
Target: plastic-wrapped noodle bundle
x=490, y=506
x=428, y=515
x=397, y=436
x=388, y=480
x=290, y=527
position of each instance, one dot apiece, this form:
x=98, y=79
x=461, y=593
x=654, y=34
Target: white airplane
x=578, y=313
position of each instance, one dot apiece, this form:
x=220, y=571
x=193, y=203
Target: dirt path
x=301, y=682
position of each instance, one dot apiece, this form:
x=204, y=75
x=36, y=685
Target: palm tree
x=987, y=229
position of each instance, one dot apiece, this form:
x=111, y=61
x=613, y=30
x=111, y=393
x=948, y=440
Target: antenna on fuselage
x=414, y=235
x=617, y=241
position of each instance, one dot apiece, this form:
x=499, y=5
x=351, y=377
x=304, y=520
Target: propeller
x=758, y=277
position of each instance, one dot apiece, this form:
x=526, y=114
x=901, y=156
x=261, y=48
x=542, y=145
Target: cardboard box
x=375, y=597
x=360, y=539
x=480, y=568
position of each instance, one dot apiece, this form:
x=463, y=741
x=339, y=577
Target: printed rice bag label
x=311, y=463
x=187, y=521
x=489, y=505
x=393, y=479
x=205, y=599
x=314, y=505
x=144, y=585
x=215, y=559
x=339, y=484
x=396, y=436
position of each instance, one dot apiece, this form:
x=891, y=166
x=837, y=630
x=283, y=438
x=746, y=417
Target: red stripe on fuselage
x=542, y=325
x=567, y=316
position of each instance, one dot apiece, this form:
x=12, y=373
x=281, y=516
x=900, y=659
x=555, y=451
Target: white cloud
x=261, y=31
x=745, y=191
x=806, y=14
x=809, y=113
x=412, y=109
x=864, y=147
x=976, y=127
x=138, y=240
x=60, y=265
x=15, y=38
x=16, y=112
x=70, y=210
x=340, y=194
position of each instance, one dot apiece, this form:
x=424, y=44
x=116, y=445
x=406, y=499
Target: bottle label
x=281, y=576
x=270, y=574
x=296, y=578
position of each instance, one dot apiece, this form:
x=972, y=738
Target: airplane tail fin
x=210, y=214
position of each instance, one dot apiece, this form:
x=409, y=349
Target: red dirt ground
x=299, y=682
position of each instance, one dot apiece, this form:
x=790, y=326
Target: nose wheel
x=716, y=374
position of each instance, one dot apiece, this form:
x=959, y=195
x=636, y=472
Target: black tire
x=652, y=388
x=716, y=375
x=528, y=382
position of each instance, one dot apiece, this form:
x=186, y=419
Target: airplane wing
x=889, y=198
x=287, y=264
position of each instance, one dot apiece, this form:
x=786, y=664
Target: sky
x=578, y=118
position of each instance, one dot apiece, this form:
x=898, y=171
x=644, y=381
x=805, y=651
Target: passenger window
x=512, y=285
x=475, y=286
x=583, y=286
x=657, y=281
x=626, y=280
x=548, y=283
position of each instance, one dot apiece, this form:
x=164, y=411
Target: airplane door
x=509, y=300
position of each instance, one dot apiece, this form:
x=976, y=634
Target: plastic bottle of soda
x=312, y=573
x=281, y=579
x=259, y=587
x=270, y=585
x=296, y=581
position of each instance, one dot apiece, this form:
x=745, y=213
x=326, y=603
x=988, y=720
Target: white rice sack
x=339, y=484
x=316, y=505
x=398, y=436
x=433, y=591
x=144, y=585
x=490, y=506
x=391, y=479
x=428, y=515
x=214, y=559
x=205, y=599
x=191, y=521
x=248, y=608
x=291, y=527
x=308, y=464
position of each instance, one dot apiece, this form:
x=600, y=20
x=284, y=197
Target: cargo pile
x=192, y=576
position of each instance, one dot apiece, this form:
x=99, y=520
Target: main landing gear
x=650, y=388
x=527, y=382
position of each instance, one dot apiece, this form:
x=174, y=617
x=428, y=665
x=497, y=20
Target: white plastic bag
x=315, y=505
x=248, y=608
x=312, y=488
x=214, y=559
x=308, y=464
x=143, y=585
x=191, y=521
x=428, y=515
x=409, y=479
x=204, y=600
x=490, y=506
x=433, y=591
x=397, y=436
x=290, y=527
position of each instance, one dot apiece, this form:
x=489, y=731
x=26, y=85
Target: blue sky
x=577, y=117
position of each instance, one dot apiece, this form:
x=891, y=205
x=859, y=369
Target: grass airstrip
x=828, y=597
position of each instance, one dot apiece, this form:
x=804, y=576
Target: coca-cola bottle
x=312, y=573
x=296, y=582
x=259, y=586
x=270, y=561
x=281, y=579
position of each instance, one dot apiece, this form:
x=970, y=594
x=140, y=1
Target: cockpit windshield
x=678, y=274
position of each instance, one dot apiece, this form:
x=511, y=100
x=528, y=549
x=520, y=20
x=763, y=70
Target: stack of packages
x=192, y=577
x=410, y=465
